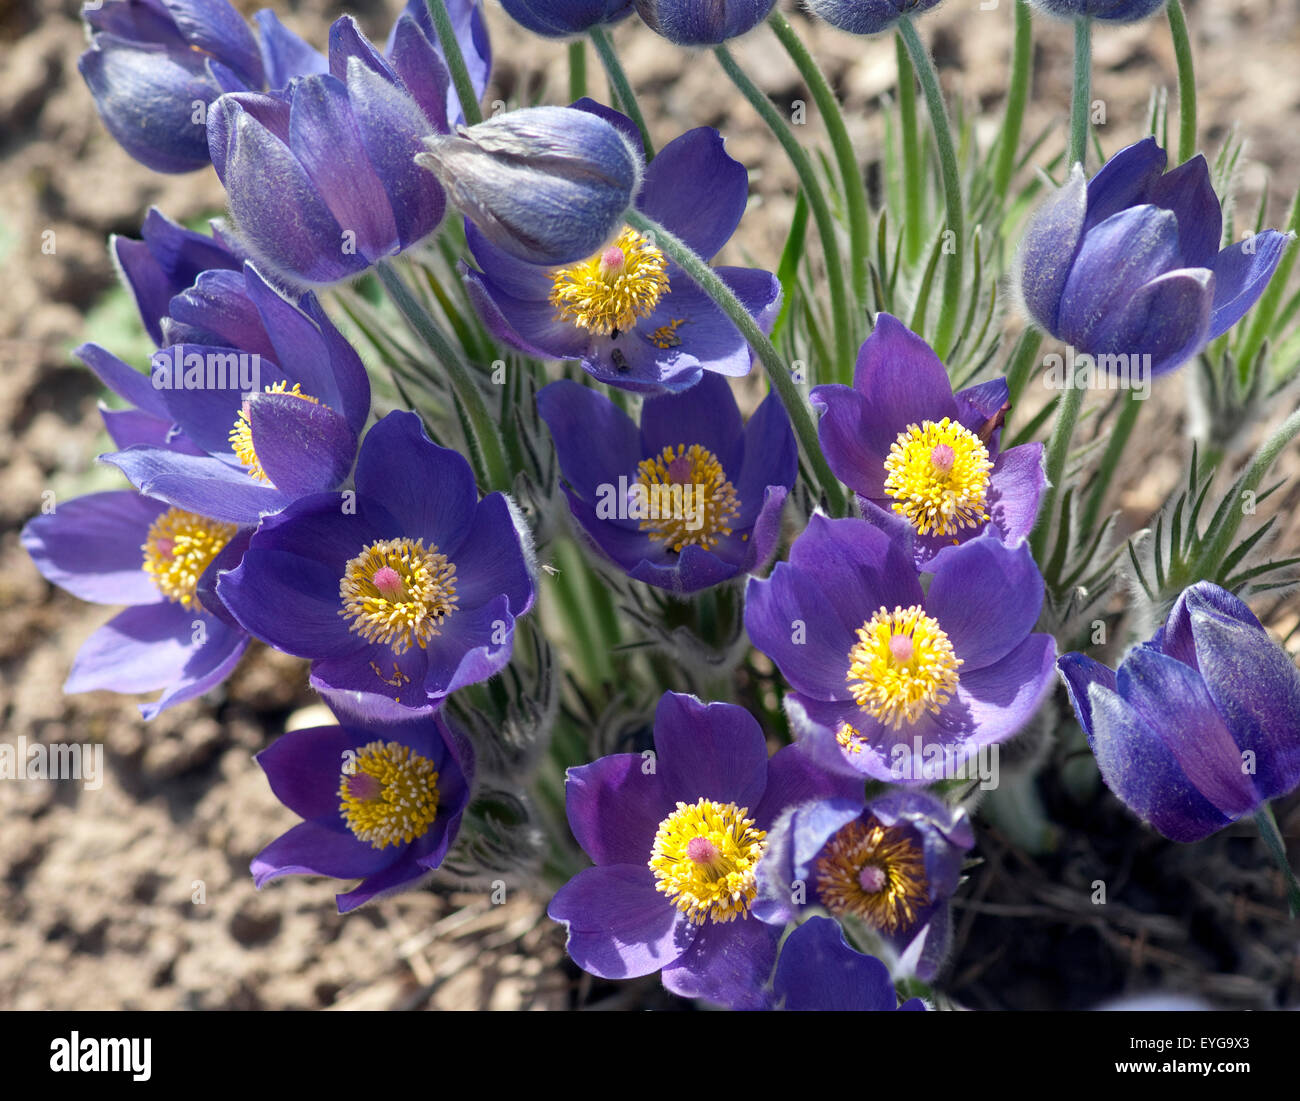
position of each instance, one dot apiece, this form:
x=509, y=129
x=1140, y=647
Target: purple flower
x=905, y=442
x=380, y=801
x=688, y=500
x=691, y=23
x=564, y=18
x=1127, y=266
x=868, y=16
x=400, y=592
x=676, y=836
x=818, y=970
x=154, y=66
x=893, y=679
x=1110, y=11
x=1201, y=725
x=167, y=260
x=630, y=315
x=122, y=548
x=321, y=178
x=266, y=397
x=548, y=185
x=470, y=28
x=891, y=864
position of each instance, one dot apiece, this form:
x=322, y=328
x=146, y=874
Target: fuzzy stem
x=1186, y=81
x=577, y=70
x=455, y=61
x=622, y=87
x=1022, y=52
x=913, y=181
x=486, y=432
x=1082, y=92
x=1268, y=830
x=778, y=372
x=855, y=190
x=952, y=271
x=845, y=352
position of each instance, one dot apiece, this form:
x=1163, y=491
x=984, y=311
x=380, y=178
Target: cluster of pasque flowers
x=262, y=506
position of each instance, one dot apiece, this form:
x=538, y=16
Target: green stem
x=577, y=70
x=855, y=190
x=1217, y=548
x=777, y=372
x=1272, y=836
x=1265, y=310
x=1186, y=81
x=1022, y=53
x=1119, y=437
x=1082, y=93
x=1058, y=451
x=622, y=88
x=455, y=61
x=952, y=272
x=845, y=351
x=486, y=433
x=913, y=180
x=572, y=592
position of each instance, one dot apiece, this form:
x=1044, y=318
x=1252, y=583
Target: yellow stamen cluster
x=179, y=547
x=414, y=592
x=703, y=859
x=611, y=291
x=241, y=436
x=902, y=666
x=874, y=873
x=680, y=521
x=388, y=794
x=938, y=476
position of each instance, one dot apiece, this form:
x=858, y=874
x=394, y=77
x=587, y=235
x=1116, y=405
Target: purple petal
x=124, y=380
x=302, y=447
x=898, y=371
x=1078, y=671
x=1138, y=766
x=614, y=807
x=1173, y=699
x=93, y=547
x=818, y=970
x=618, y=925
x=728, y=963
x=1241, y=272
x=713, y=751
x=706, y=414
x=304, y=768
x=999, y=699
x=312, y=848
x=1124, y=181
x=1188, y=192
x=1016, y=485
x=696, y=190
x=284, y=54
x=1048, y=248
x=199, y=484
x=490, y=561
x=595, y=441
x=139, y=650
x=986, y=597
x=855, y=437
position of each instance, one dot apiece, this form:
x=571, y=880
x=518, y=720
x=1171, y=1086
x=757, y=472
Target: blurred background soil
x=137, y=895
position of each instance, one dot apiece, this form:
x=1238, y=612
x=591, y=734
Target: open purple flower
x=902, y=440
x=676, y=836
x=380, y=801
x=689, y=499
x=321, y=178
x=400, y=592
x=632, y=318
x=1198, y=727
x=1127, y=266
x=891, y=864
x=122, y=548
x=818, y=970
x=268, y=397
x=893, y=679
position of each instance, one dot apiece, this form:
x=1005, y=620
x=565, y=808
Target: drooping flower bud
x=564, y=18
x=696, y=23
x=549, y=185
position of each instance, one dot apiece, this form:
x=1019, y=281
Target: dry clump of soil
x=138, y=894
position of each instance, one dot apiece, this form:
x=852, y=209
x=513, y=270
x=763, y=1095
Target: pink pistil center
x=872, y=878
x=612, y=260
x=363, y=787
x=701, y=850
x=901, y=648
x=680, y=470
x=942, y=457
x=389, y=583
